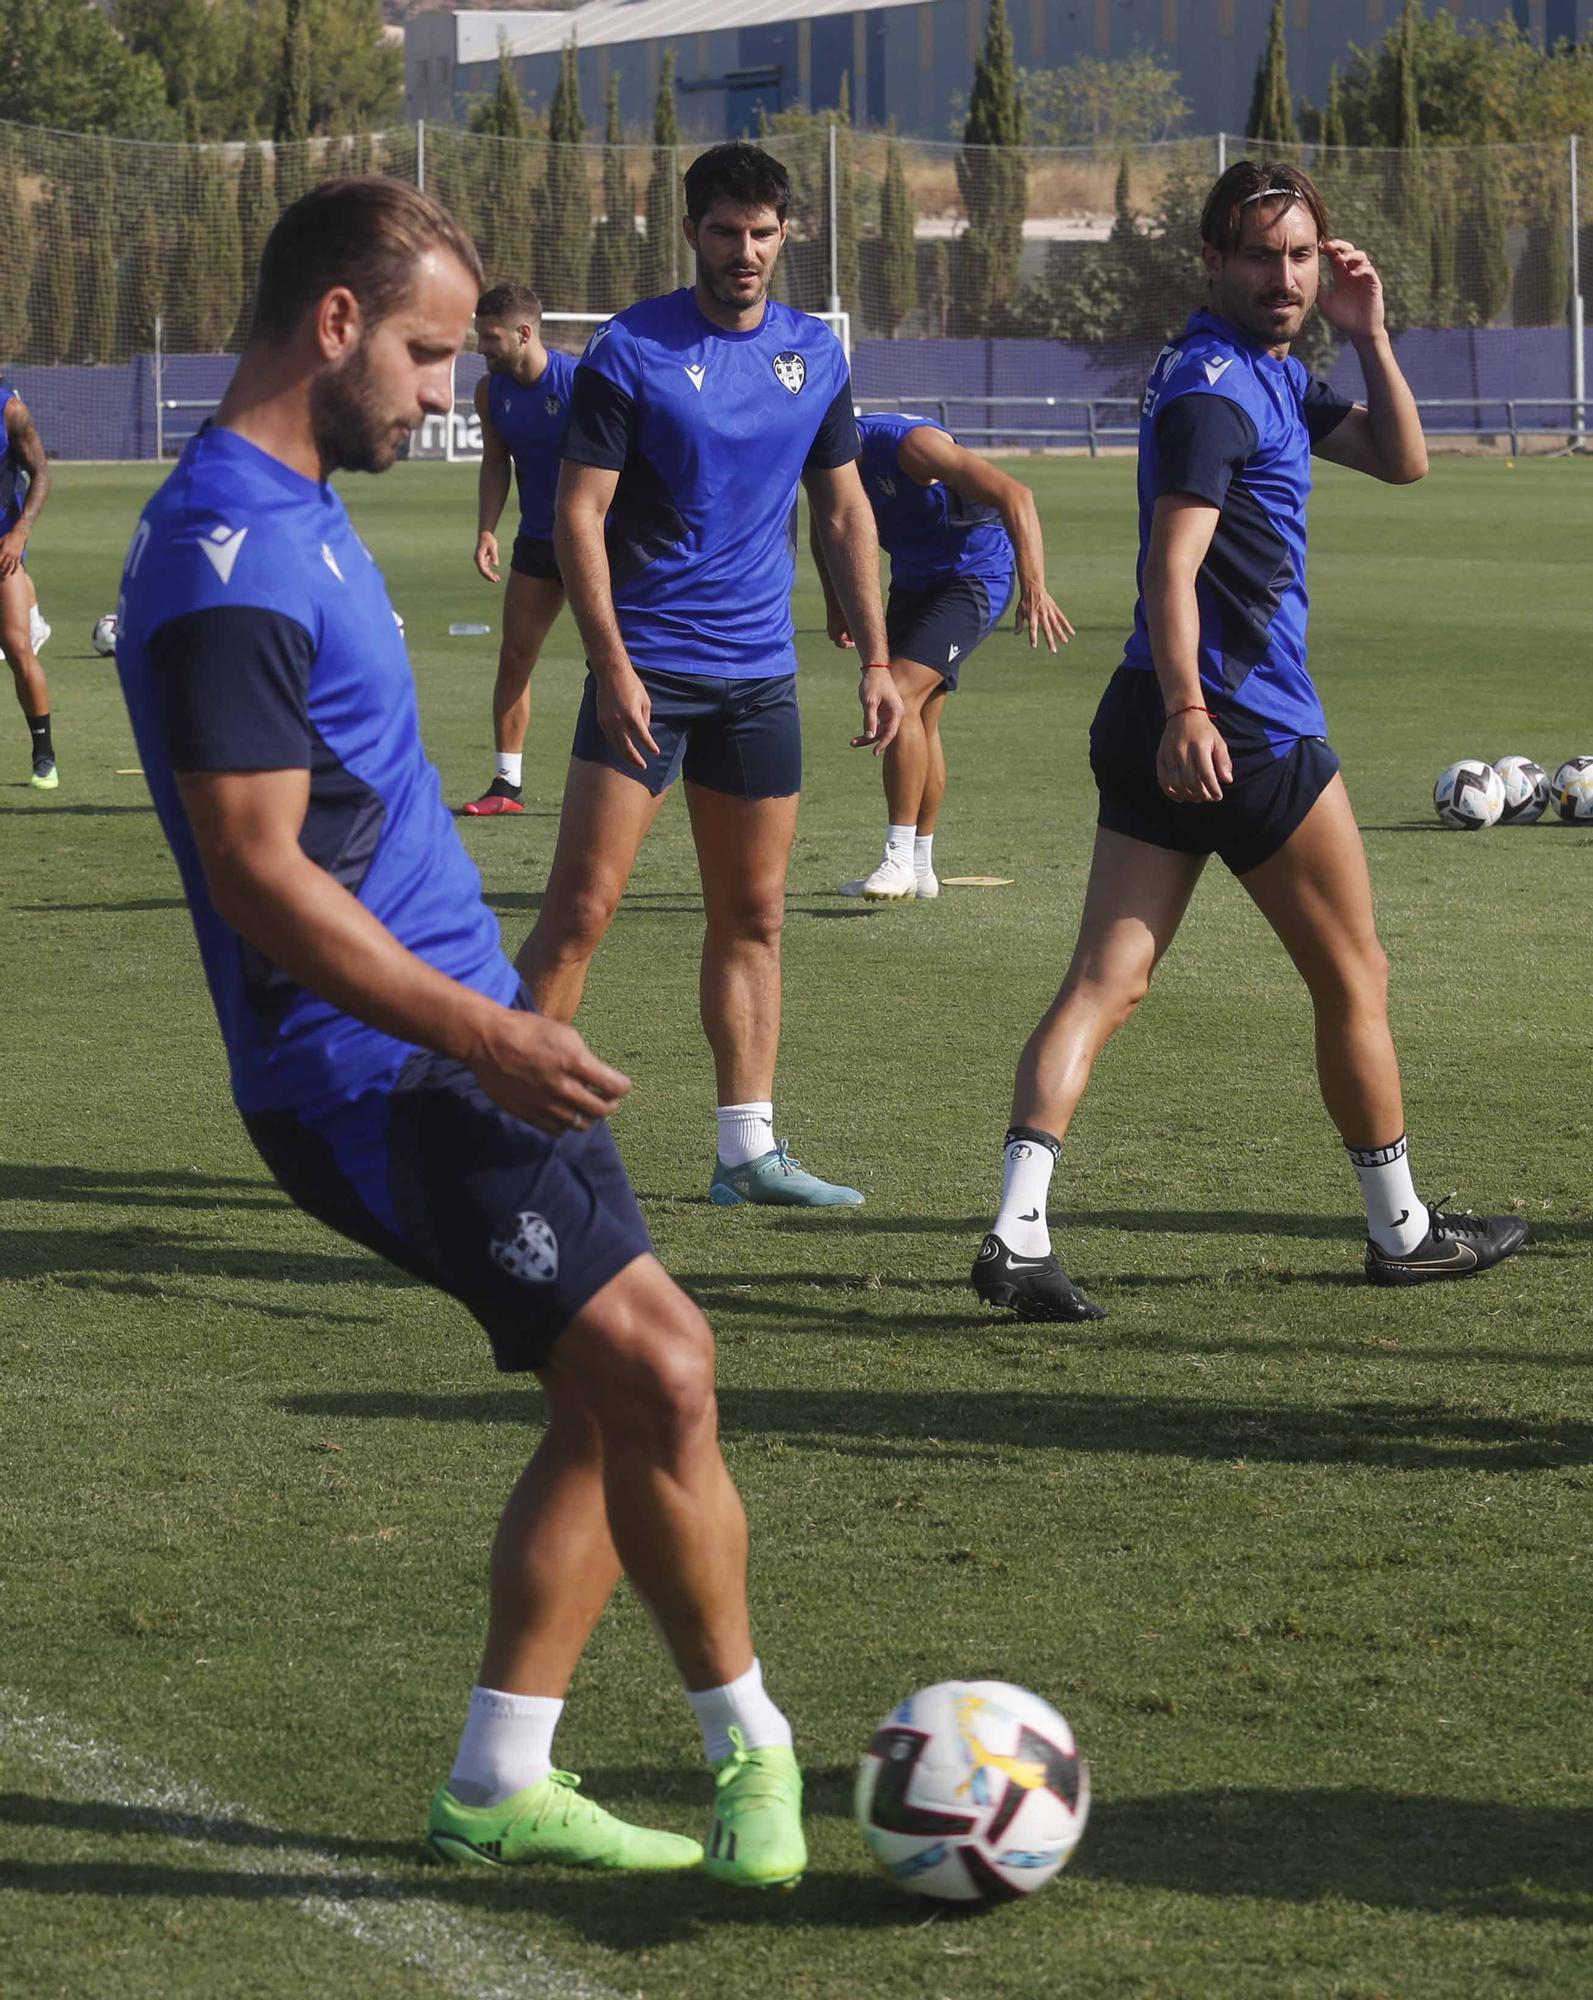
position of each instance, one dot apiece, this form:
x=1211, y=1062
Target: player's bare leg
x=604, y=821
x=743, y=854
x=1316, y=892
x=33, y=693
x=1133, y=905
x=530, y=606
x=926, y=884
x=630, y=1472
x=908, y=764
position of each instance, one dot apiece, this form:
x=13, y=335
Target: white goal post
x=457, y=438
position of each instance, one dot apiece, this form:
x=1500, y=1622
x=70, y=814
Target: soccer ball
x=103, y=637
x=972, y=1792
x=1572, y=791
x=1469, y=794
x=1526, y=787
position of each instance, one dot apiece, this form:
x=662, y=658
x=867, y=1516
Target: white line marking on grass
x=472, y=1961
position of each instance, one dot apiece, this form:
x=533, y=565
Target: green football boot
x=779, y=1181
x=549, y=1821
x=755, y=1837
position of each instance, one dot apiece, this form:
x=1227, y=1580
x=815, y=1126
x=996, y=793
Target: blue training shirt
x=1223, y=420
x=709, y=432
x=255, y=634
x=929, y=532
x=530, y=418
x=13, y=474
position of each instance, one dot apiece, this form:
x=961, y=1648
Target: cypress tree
x=257, y=212
x=19, y=253
x=503, y=115
x=1412, y=202
x=1271, y=117
x=1483, y=256
x=292, y=126
x=143, y=271
x=94, y=206
x=993, y=178
x=1333, y=136
x=662, y=202
x=52, y=292
x=846, y=245
x=1542, y=291
x=613, y=279
x=937, y=288
x=898, y=247
x=562, y=244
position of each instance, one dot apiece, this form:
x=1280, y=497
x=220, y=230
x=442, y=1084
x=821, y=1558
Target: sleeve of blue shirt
x=1322, y=408
x=231, y=677
x=1201, y=442
x=602, y=422
x=836, y=442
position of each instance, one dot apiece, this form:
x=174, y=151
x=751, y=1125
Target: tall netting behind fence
x=1019, y=295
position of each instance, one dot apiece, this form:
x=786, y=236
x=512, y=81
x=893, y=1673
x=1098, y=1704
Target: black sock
x=500, y=788
x=39, y=730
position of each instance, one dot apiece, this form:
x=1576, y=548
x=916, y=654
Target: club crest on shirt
x=887, y=487
x=790, y=371
x=531, y=1253
x=552, y=404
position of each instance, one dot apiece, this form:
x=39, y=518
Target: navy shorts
x=427, y=1171
x=1273, y=788
x=743, y=737
x=940, y=625
x=534, y=557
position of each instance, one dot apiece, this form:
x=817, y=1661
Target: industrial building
x=907, y=60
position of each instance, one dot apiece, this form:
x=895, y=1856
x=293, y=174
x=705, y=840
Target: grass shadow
x=1387, y=1850
x=138, y=905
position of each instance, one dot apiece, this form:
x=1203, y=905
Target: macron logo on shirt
x=1215, y=370
x=221, y=546
x=696, y=373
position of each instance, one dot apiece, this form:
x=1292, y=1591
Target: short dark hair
x=365, y=234
x=740, y=173
x=510, y=303
x=1249, y=182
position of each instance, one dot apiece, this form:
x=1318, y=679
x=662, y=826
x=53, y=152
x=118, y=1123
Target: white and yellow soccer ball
x=1470, y=795
x=1526, y=788
x=103, y=637
x=1571, y=788
x=972, y=1792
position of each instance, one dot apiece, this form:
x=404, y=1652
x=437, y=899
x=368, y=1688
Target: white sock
x=1396, y=1216
x=746, y=1132
x=899, y=844
x=1028, y=1158
x=507, y=1744
x=35, y=624
x=923, y=853
x=509, y=763
x=739, y=1704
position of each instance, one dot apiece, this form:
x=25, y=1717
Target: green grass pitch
x=1304, y=1563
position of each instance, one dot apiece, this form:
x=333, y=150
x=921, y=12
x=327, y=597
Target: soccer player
x=383, y=1056
x=692, y=419
x=24, y=488
x=1210, y=738
x=955, y=528
x=522, y=401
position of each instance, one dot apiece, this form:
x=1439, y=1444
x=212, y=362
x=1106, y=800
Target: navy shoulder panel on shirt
x=1201, y=442
x=1322, y=408
x=602, y=421
x=232, y=689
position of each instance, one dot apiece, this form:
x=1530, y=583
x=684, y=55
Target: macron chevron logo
x=221, y=546
x=1215, y=370
x=696, y=373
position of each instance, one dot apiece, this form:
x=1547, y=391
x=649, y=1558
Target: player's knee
x=753, y=919
x=1111, y=992
x=578, y=921
x=672, y=1379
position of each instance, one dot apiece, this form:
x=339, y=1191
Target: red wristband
x=876, y=666
x=1190, y=708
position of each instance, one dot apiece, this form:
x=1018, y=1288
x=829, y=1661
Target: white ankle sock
x=1028, y=1158
x=507, y=1744
x=509, y=766
x=739, y=1704
x=746, y=1132
x=1396, y=1216
x=923, y=853
x=899, y=841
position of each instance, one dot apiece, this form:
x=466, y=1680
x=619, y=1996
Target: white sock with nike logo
x=1027, y=1160
x=1396, y=1217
